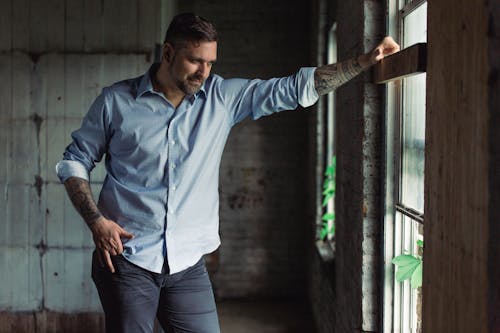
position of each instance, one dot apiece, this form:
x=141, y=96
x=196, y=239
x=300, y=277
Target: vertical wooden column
x=457, y=188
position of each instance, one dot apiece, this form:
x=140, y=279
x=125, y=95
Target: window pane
x=415, y=26
x=408, y=103
x=332, y=58
x=413, y=142
x=408, y=316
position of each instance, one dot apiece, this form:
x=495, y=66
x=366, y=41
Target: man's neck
x=160, y=82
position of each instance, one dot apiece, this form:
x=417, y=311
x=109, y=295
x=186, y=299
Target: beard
x=191, y=85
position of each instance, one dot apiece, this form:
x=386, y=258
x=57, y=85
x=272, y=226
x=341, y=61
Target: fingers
x=118, y=247
x=108, y=237
x=126, y=234
x=104, y=258
x=378, y=53
x=110, y=245
x=109, y=263
x=387, y=47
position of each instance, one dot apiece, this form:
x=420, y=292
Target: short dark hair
x=188, y=27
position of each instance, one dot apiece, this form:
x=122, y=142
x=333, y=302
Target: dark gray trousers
x=132, y=297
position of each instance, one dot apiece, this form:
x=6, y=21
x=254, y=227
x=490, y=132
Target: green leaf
x=330, y=171
x=330, y=190
x=323, y=233
x=328, y=217
x=420, y=243
x=326, y=230
x=328, y=183
x=403, y=260
x=327, y=198
x=333, y=164
x=416, y=277
x=331, y=231
x=406, y=265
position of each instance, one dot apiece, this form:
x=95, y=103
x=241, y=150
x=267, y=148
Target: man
x=163, y=135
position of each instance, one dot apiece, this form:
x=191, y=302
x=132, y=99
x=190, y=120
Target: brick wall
x=263, y=178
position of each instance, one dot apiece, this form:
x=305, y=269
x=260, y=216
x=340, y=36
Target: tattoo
x=81, y=196
x=329, y=77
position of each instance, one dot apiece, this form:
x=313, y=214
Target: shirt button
x=174, y=187
x=173, y=165
x=173, y=142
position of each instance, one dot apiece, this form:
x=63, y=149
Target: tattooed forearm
x=81, y=196
x=329, y=77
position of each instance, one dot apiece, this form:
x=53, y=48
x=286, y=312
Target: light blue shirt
x=163, y=162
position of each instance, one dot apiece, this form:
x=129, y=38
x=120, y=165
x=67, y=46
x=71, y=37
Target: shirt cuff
x=68, y=168
x=307, y=91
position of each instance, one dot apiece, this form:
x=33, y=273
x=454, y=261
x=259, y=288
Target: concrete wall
x=345, y=293
x=55, y=57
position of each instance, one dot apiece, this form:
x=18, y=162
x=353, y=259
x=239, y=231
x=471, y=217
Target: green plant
x=409, y=267
x=328, y=229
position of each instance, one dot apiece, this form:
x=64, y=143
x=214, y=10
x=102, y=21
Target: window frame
x=326, y=146
x=331, y=115
x=390, y=71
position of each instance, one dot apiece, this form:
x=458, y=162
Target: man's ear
x=168, y=52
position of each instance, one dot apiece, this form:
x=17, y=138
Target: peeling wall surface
x=55, y=57
x=44, y=242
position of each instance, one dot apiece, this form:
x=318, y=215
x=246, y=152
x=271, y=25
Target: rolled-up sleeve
x=88, y=145
x=67, y=168
x=307, y=90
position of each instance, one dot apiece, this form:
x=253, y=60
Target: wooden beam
x=410, y=61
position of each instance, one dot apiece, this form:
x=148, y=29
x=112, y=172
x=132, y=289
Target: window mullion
x=410, y=7
x=410, y=212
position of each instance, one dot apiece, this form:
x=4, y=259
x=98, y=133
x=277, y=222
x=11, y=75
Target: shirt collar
x=146, y=85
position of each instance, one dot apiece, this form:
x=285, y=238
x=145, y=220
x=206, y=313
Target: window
x=326, y=218
x=405, y=156
x=329, y=186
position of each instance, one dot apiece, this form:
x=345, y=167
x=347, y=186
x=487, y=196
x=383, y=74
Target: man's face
x=190, y=65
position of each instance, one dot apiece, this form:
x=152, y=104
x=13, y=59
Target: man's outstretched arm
x=329, y=77
x=107, y=234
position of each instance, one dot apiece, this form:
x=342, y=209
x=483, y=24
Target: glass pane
x=408, y=319
x=332, y=58
x=415, y=26
x=413, y=142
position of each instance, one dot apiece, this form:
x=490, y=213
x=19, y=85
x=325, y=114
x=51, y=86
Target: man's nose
x=204, y=69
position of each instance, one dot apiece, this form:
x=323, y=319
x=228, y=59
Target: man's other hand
x=107, y=238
